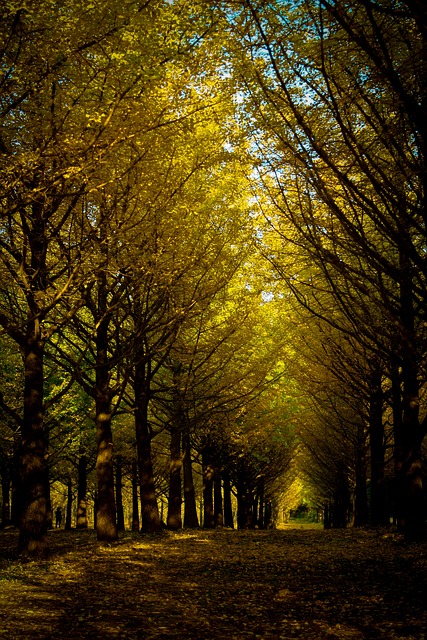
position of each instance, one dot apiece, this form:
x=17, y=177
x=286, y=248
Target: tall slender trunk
x=16, y=506
x=5, y=492
x=119, y=494
x=150, y=520
x=33, y=480
x=174, y=519
x=190, y=508
x=228, y=511
x=361, y=507
x=396, y=401
x=261, y=518
x=378, y=513
x=218, y=501
x=208, y=475
x=69, y=508
x=242, y=521
x=135, y=501
x=81, y=522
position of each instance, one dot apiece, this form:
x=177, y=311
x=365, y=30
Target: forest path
x=217, y=585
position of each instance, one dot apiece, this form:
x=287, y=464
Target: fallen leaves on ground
x=222, y=584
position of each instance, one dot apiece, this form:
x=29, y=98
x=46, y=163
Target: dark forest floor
x=217, y=585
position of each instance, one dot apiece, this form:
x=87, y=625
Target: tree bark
x=228, y=511
x=190, y=508
x=135, y=502
x=16, y=507
x=5, y=492
x=261, y=518
x=174, y=518
x=150, y=520
x=378, y=512
x=397, y=410
x=33, y=481
x=69, y=510
x=361, y=506
x=106, y=527
x=208, y=475
x=242, y=500
x=81, y=522
x=119, y=495
x=410, y=439
x=218, y=502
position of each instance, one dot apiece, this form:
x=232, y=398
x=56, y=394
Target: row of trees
x=127, y=283
x=336, y=93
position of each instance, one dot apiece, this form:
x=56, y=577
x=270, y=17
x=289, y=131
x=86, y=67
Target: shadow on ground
x=306, y=584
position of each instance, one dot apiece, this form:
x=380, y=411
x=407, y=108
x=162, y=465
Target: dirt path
x=217, y=585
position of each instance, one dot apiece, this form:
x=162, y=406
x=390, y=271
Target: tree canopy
x=212, y=262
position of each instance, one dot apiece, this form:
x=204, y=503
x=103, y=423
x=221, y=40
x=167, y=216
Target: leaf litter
x=315, y=585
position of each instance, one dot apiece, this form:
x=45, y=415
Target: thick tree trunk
x=174, y=519
x=150, y=520
x=82, y=522
x=106, y=527
x=119, y=495
x=228, y=511
x=33, y=481
x=378, y=512
x=218, y=502
x=190, y=508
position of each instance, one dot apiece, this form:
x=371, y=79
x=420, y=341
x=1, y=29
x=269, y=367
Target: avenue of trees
x=212, y=261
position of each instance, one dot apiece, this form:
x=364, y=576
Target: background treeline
x=212, y=244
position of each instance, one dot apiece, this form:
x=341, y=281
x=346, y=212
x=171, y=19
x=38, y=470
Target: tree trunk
x=69, y=511
x=208, y=504
x=174, y=520
x=242, y=499
x=16, y=507
x=150, y=520
x=106, y=527
x=327, y=516
x=82, y=522
x=228, y=511
x=361, y=507
x=5, y=492
x=218, y=503
x=396, y=390
x=135, y=503
x=33, y=481
x=190, y=508
x=410, y=439
x=261, y=518
x=378, y=515
x=119, y=495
